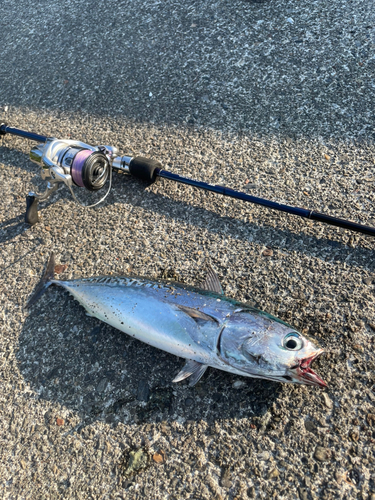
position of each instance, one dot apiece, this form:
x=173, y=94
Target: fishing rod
x=77, y=164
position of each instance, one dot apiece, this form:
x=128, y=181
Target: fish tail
x=44, y=283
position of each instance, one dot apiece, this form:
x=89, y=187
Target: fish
x=199, y=324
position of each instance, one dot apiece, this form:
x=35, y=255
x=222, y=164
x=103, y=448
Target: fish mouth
x=304, y=374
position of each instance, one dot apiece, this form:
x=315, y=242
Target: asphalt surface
x=274, y=98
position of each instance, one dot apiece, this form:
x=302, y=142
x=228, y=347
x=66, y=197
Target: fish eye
x=293, y=342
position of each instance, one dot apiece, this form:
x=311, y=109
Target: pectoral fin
x=192, y=369
x=196, y=314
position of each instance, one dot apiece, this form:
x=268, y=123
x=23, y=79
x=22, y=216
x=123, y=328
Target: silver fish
x=201, y=325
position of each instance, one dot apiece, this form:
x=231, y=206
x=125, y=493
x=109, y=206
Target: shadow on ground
x=264, y=231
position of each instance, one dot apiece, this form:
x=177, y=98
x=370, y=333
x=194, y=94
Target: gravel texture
x=275, y=98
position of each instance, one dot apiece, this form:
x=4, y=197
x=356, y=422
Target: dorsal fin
x=196, y=314
x=211, y=283
x=192, y=369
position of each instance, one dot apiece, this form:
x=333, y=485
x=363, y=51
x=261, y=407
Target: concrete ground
x=275, y=98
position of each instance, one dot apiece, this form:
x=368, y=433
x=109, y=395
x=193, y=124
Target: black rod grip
x=144, y=168
x=3, y=127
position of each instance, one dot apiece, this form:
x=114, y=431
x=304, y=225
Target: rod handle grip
x=144, y=168
x=3, y=127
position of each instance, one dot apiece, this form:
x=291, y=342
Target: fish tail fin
x=44, y=283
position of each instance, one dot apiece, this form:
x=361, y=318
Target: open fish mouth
x=303, y=372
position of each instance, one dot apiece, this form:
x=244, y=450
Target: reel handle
x=32, y=205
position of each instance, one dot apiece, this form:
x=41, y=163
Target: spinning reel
x=75, y=163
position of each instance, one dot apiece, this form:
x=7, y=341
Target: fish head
x=265, y=347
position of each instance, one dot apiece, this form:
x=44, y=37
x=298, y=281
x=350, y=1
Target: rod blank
x=301, y=212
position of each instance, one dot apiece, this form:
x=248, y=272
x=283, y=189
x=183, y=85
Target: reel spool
x=88, y=169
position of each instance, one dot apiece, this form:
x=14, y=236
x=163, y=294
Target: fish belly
x=146, y=315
